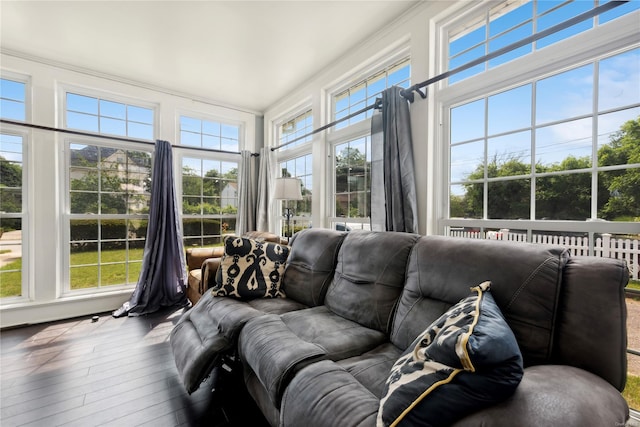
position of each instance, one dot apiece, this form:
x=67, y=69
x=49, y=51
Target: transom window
x=296, y=128
x=209, y=134
x=103, y=116
x=12, y=100
x=364, y=93
x=511, y=21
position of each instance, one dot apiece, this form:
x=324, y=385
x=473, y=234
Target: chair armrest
x=209, y=270
x=195, y=257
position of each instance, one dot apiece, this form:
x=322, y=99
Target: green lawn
x=84, y=276
x=632, y=391
x=634, y=284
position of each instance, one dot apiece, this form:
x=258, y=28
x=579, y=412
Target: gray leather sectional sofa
x=356, y=301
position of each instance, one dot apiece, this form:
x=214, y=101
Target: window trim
x=65, y=88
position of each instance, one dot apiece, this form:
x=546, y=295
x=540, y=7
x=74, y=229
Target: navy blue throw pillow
x=466, y=360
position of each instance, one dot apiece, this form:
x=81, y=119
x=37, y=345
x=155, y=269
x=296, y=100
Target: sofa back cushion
x=369, y=277
x=311, y=265
x=526, y=281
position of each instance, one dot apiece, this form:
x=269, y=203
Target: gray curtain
x=266, y=178
x=246, y=194
x=162, y=280
x=393, y=184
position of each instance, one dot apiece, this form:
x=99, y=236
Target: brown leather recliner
x=203, y=264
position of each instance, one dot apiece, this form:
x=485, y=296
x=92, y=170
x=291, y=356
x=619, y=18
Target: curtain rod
x=408, y=93
x=112, y=137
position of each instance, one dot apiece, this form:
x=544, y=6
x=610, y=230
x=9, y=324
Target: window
x=352, y=191
x=97, y=115
x=13, y=208
x=364, y=93
x=511, y=21
x=546, y=150
x=564, y=133
x=108, y=204
x=12, y=100
x=12, y=213
x=209, y=134
x=351, y=146
x=301, y=168
x=296, y=128
x=209, y=200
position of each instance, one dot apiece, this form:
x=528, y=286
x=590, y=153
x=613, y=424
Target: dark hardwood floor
x=112, y=372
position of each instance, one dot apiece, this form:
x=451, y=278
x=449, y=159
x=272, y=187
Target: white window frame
x=106, y=140
x=210, y=118
x=65, y=88
x=189, y=151
x=27, y=288
x=301, y=148
x=351, y=132
x=582, y=48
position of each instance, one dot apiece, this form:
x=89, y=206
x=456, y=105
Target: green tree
x=10, y=186
x=564, y=196
x=621, y=196
x=507, y=199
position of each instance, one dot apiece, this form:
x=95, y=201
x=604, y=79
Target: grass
x=113, y=271
x=632, y=391
x=634, y=284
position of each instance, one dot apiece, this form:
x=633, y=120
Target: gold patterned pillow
x=251, y=269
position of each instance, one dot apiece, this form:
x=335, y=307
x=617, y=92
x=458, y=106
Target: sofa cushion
x=251, y=269
x=369, y=276
x=311, y=264
x=525, y=282
x=340, y=338
x=466, y=360
x=274, y=353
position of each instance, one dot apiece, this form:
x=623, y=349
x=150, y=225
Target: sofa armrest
x=324, y=394
x=554, y=395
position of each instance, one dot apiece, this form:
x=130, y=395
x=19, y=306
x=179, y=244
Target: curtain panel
x=246, y=194
x=393, y=185
x=266, y=179
x=162, y=280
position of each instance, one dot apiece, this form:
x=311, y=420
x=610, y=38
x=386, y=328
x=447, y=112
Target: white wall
x=412, y=32
x=44, y=241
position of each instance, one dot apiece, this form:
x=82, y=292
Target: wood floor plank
x=111, y=372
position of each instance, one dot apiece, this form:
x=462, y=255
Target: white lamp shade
x=287, y=189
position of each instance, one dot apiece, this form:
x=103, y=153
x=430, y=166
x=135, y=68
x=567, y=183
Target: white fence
x=605, y=246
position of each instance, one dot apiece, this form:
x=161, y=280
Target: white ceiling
x=243, y=53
